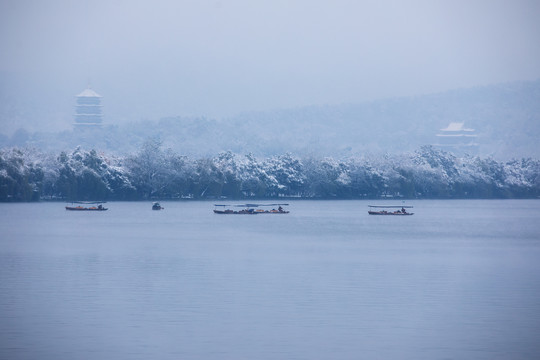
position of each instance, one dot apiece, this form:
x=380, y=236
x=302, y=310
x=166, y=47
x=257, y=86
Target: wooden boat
x=250, y=209
x=157, y=206
x=399, y=210
x=94, y=206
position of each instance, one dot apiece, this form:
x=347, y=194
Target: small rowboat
x=398, y=210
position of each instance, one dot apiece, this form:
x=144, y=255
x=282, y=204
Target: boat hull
x=230, y=212
x=80, y=208
x=244, y=212
x=389, y=213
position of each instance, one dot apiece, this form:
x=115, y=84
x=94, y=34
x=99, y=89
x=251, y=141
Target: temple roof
x=89, y=93
x=456, y=126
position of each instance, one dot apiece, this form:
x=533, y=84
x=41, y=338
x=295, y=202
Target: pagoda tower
x=88, y=110
x=458, y=139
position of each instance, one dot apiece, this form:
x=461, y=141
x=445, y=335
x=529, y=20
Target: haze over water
x=458, y=280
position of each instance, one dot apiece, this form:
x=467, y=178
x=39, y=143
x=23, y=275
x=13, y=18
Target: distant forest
x=157, y=173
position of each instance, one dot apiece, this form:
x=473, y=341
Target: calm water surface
x=458, y=280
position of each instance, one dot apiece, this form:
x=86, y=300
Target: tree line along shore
x=153, y=172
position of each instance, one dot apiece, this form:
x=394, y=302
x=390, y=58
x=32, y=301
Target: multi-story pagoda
x=88, y=110
x=458, y=139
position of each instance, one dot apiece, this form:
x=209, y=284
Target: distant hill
x=506, y=118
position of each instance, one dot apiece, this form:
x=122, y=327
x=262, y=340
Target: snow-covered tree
x=327, y=177
x=87, y=175
x=21, y=176
x=288, y=173
x=150, y=169
x=28, y=175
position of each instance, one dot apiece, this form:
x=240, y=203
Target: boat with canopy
x=157, y=206
x=87, y=206
x=399, y=210
x=250, y=209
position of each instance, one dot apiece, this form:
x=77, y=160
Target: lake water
x=458, y=280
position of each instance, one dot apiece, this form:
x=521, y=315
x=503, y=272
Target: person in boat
x=100, y=207
x=280, y=209
x=403, y=210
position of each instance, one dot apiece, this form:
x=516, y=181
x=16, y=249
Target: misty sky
x=217, y=58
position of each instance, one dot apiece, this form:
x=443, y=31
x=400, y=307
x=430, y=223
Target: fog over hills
x=506, y=118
